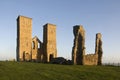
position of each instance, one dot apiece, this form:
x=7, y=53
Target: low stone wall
x=90, y=59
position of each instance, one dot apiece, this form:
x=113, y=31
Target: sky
x=96, y=16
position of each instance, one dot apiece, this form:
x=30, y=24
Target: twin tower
x=32, y=49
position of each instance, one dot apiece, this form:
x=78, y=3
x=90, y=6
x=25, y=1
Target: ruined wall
x=98, y=48
x=40, y=57
x=90, y=59
x=33, y=49
x=37, y=50
x=78, y=50
x=49, y=42
x=35, y=44
x=95, y=59
x=24, y=38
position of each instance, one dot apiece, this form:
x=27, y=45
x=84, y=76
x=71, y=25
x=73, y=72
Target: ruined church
x=78, y=51
x=32, y=49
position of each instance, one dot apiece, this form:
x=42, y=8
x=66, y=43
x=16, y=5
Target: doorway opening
x=51, y=57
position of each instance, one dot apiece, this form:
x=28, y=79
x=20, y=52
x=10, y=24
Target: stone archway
x=27, y=56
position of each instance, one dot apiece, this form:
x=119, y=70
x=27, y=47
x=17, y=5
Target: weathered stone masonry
x=49, y=41
x=78, y=50
x=24, y=38
x=32, y=49
x=79, y=45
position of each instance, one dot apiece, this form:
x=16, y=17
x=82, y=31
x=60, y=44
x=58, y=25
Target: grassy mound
x=39, y=71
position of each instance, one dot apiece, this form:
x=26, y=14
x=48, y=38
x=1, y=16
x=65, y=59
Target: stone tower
x=98, y=48
x=78, y=50
x=24, y=38
x=49, y=42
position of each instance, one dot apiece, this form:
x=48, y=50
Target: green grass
x=39, y=71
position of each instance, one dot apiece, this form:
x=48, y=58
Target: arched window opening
x=38, y=45
x=33, y=45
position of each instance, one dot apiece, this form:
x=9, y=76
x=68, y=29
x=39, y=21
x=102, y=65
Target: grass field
x=39, y=71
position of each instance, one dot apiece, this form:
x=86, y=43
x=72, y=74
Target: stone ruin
x=32, y=49
x=78, y=50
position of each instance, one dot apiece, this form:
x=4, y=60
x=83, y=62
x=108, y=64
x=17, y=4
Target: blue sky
x=95, y=15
